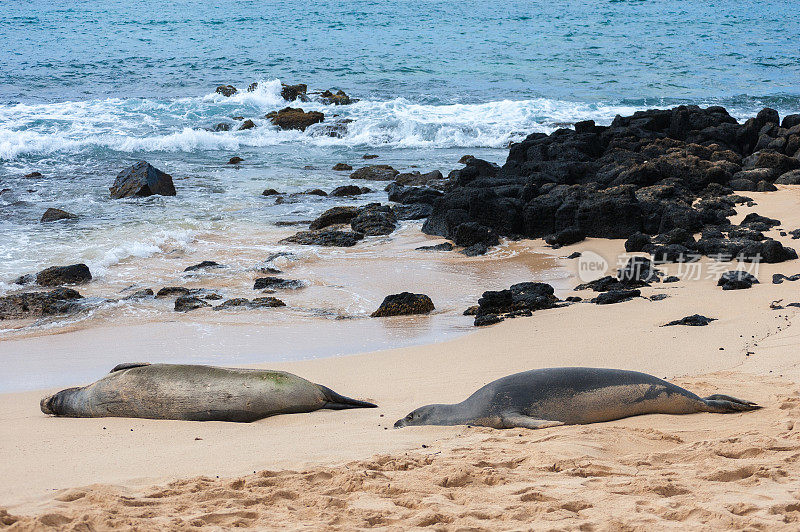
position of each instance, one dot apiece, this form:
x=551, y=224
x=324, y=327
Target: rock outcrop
x=61, y=275
x=54, y=215
x=295, y=118
x=642, y=175
x=60, y=301
x=404, y=303
x=375, y=172
x=140, y=180
x=325, y=237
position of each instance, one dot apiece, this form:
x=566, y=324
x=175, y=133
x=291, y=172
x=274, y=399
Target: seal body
x=569, y=396
x=196, y=393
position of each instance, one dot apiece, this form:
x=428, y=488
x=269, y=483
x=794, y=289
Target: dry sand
x=346, y=470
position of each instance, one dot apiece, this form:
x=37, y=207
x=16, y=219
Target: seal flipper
x=510, y=421
x=725, y=404
x=128, y=365
x=340, y=402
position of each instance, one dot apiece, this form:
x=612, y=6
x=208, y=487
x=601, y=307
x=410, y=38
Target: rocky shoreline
x=664, y=180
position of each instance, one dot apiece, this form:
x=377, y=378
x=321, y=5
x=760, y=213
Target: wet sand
x=329, y=316
x=346, y=470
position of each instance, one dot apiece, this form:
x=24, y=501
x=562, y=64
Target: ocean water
x=88, y=88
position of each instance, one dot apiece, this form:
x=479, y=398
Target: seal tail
x=725, y=404
x=340, y=402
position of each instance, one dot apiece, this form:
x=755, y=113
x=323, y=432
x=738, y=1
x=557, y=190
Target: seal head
x=56, y=404
x=426, y=415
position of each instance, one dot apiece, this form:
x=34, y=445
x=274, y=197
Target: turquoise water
x=638, y=52
x=88, y=88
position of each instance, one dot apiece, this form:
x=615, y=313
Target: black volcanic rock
x=60, y=275
x=695, y=320
x=404, y=303
x=348, y=190
x=736, y=280
x=325, y=237
x=295, y=118
x=616, y=296
x=638, y=178
x=187, y=303
x=60, y=301
x=374, y=220
x=140, y=180
x=471, y=233
x=376, y=172
x=226, y=90
x=206, y=264
x=53, y=215
x=294, y=92
x=276, y=283
x=444, y=246
x=334, y=216
x=565, y=237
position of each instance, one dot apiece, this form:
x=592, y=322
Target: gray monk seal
x=550, y=397
x=195, y=393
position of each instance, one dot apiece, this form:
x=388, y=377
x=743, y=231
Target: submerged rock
x=141, y=180
x=206, y=264
x=444, y=246
x=325, y=237
x=226, y=90
x=235, y=160
x=333, y=216
x=53, y=215
x=404, y=303
x=375, y=172
x=342, y=167
x=335, y=98
x=259, y=302
x=276, y=283
x=295, y=118
x=187, y=303
x=60, y=301
x=59, y=275
x=173, y=291
x=348, y=190
x=141, y=294
x=291, y=93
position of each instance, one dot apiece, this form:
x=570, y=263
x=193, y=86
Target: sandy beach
x=348, y=470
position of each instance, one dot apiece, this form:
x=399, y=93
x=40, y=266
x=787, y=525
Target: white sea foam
x=166, y=240
x=183, y=124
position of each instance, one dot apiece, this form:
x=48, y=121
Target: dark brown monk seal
x=550, y=397
x=195, y=393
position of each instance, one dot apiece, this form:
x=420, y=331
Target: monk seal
x=550, y=397
x=195, y=393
